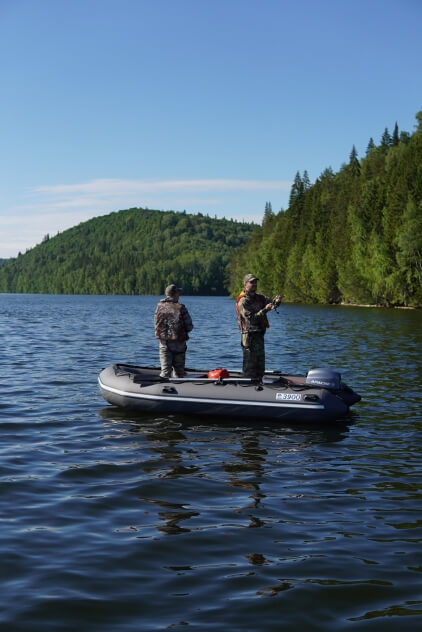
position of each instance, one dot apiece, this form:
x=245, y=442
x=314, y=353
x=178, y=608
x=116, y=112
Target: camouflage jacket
x=251, y=315
x=172, y=320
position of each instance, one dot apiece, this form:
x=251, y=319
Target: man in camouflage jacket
x=172, y=324
x=252, y=319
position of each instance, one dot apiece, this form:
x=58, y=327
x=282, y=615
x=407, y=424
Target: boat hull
x=279, y=398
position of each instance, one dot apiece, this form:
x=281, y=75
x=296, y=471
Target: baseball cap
x=250, y=277
x=172, y=289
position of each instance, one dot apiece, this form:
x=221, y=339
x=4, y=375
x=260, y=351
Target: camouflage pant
x=253, y=354
x=172, y=356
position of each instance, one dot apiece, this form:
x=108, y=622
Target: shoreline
x=379, y=306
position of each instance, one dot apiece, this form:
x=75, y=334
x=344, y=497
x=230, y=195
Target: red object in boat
x=218, y=374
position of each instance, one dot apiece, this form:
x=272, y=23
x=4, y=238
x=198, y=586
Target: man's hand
x=274, y=303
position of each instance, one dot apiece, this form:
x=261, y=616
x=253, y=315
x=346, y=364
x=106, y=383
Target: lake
x=116, y=521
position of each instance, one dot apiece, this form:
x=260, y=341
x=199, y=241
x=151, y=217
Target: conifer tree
x=409, y=253
x=268, y=218
x=371, y=146
x=386, y=139
x=306, y=183
x=354, y=162
x=297, y=190
x=395, y=139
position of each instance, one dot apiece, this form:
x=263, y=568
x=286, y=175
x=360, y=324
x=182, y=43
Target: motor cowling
x=324, y=378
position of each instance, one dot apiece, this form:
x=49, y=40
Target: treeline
x=351, y=237
x=137, y=251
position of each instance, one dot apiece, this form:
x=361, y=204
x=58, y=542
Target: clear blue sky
x=206, y=105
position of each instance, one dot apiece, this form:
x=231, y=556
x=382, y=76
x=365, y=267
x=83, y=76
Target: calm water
x=112, y=521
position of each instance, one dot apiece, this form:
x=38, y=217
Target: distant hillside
x=137, y=251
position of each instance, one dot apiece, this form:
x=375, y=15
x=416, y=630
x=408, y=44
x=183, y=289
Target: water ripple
x=119, y=521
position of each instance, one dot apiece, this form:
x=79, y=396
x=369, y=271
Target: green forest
x=351, y=237
x=136, y=251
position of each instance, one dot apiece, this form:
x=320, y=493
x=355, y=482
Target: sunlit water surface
x=118, y=521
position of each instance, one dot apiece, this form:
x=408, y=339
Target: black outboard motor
x=324, y=378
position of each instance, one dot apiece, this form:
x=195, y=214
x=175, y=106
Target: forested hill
x=351, y=237
x=137, y=251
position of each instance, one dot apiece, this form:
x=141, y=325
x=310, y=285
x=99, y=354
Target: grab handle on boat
x=169, y=389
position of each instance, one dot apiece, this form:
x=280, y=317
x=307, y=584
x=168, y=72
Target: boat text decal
x=292, y=397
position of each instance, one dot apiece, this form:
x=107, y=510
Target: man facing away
x=252, y=319
x=172, y=324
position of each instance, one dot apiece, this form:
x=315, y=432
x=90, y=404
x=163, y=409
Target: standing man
x=172, y=324
x=252, y=319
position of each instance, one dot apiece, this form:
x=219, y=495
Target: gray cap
x=172, y=289
x=250, y=277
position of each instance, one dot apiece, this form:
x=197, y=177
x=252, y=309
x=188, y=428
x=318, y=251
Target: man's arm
x=187, y=320
x=250, y=310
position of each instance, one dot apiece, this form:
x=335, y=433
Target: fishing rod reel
x=275, y=304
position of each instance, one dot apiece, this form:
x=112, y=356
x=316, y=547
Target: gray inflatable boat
x=318, y=396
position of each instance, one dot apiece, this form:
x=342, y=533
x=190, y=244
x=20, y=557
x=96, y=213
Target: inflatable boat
x=320, y=395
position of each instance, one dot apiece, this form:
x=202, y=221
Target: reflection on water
x=240, y=457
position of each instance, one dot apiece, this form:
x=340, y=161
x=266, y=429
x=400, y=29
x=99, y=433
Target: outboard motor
x=325, y=378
